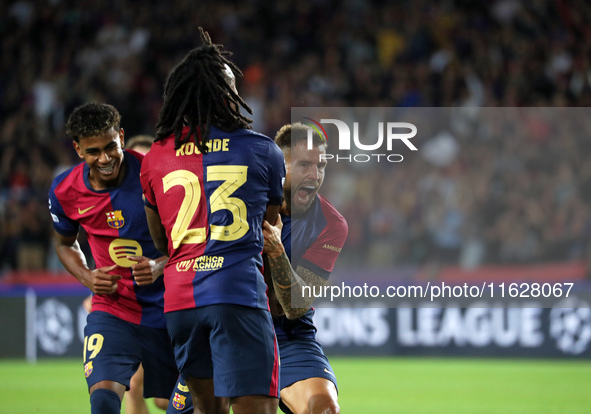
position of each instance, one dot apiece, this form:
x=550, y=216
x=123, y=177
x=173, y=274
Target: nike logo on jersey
x=85, y=210
x=325, y=370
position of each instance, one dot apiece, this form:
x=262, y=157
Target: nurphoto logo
x=387, y=131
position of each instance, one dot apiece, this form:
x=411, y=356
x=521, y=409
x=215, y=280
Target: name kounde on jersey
x=211, y=206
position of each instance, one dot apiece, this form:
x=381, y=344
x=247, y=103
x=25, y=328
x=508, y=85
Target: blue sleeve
x=276, y=174
x=61, y=223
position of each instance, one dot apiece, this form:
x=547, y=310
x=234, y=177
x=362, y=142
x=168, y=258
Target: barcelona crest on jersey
x=88, y=369
x=115, y=219
x=178, y=401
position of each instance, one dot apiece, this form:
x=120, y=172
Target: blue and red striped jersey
x=212, y=208
x=312, y=240
x=115, y=221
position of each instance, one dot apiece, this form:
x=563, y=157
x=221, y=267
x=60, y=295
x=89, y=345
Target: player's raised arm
x=272, y=213
x=99, y=281
x=285, y=279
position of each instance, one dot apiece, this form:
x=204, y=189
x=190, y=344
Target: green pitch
x=366, y=385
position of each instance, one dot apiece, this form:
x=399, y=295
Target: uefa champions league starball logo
x=55, y=330
x=570, y=326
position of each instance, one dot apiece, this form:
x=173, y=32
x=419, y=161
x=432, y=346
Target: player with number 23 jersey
x=215, y=239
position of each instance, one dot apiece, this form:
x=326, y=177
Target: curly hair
x=92, y=119
x=199, y=92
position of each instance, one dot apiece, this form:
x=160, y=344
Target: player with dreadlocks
x=209, y=181
x=198, y=94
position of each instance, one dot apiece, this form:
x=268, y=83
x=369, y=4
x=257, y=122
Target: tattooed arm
x=287, y=282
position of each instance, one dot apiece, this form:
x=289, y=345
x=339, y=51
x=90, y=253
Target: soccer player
x=312, y=233
x=134, y=397
x=209, y=181
x=311, y=236
x=127, y=325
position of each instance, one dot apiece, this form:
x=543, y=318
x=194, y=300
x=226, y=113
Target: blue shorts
x=114, y=348
x=302, y=359
x=235, y=345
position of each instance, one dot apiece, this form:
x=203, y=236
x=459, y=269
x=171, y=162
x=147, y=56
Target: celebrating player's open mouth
x=304, y=194
x=305, y=174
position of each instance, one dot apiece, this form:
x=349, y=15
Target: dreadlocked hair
x=197, y=93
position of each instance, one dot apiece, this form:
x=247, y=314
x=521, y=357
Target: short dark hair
x=293, y=134
x=197, y=93
x=92, y=119
x=139, y=141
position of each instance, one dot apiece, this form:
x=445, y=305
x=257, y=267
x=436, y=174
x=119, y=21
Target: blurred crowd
x=487, y=186
x=506, y=197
